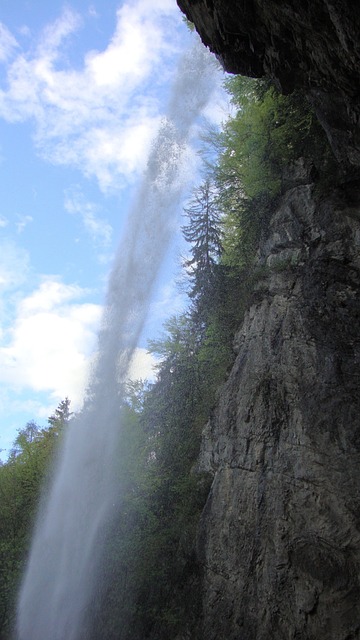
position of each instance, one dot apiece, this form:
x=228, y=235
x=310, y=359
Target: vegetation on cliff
x=23, y=479
x=151, y=580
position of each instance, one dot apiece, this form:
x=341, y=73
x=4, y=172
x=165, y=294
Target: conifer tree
x=203, y=232
x=61, y=417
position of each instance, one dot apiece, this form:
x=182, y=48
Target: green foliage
x=149, y=552
x=226, y=216
x=150, y=585
x=151, y=547
x=190, y=25
x=267, y=134
x=22, y=478
x=61, y=418
x=204, y=233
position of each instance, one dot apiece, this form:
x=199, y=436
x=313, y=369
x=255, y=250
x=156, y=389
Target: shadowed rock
x=314, y=46
x=279, y=539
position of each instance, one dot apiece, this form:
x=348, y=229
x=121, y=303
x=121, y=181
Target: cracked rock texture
x=279, y=538
x=313, y=45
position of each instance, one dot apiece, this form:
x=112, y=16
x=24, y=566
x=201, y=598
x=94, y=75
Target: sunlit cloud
x=51, y=341
x=51, y=344
x=101, y=118
x=46, y=354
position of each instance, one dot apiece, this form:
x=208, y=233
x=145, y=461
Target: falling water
x=66, y=549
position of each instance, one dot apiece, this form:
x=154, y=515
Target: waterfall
x=60, y=578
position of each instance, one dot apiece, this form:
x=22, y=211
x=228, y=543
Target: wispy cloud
x=101, y=118
x=14, y=265
x=3, y=221
x=99, y=230
x=7, y=43
x=23, y=221
x=92, y=12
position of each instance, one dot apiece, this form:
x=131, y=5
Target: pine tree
x=61, y=417
x=203, y=232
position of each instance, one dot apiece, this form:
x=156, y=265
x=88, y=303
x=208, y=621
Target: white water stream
x=66, y=549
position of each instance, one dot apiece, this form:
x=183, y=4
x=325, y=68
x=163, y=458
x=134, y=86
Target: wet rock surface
x=279, y=539
x=314, y=46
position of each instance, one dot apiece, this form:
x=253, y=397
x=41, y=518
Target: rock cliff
x=279, y=539
x=310, y=45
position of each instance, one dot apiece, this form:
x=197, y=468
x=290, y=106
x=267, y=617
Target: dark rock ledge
x=313, y=45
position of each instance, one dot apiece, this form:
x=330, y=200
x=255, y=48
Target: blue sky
x=83, y=88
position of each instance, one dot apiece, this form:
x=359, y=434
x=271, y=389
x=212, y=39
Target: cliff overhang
x=311, y=46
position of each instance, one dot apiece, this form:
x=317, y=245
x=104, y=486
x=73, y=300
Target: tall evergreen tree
x=61, y=417
x=203, y=232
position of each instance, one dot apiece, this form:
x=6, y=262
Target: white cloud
x=3, y=221
x=50, y=344
x=14, y=265
x=92, y=12
x=7, y=43
x=96, y=118
x=24, y=30
x=23, y=222
x=218, y=110
x=98, y=229
x=55, y=33
x=171, y=301
x=142, y=365
x=47, y=352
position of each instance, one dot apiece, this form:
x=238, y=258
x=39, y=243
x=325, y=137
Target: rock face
x=313, y=45
x=279, y=539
